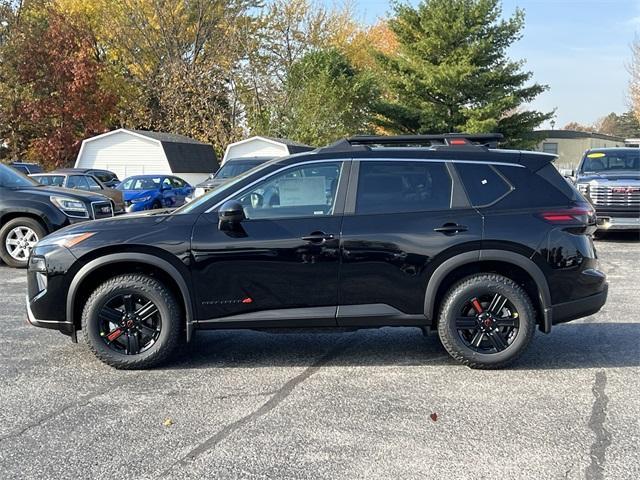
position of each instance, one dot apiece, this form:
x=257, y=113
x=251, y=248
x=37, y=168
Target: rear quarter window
x=484, y=185
x=532, y=190
x=551, y=175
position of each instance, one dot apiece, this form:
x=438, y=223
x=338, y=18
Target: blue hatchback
x=149, y=192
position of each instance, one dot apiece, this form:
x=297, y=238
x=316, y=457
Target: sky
x=579, y=48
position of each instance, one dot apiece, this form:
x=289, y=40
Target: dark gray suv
x=610, y=179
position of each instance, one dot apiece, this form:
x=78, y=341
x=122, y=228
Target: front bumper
x=61, y=325
x=618, y=223
x=583, y=307
x=137, y=207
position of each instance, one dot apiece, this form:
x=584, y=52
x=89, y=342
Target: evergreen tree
x=452, y=74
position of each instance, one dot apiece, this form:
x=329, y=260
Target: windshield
x=189, y=207
x=233, y=169
x=10, y=178
x=140, y=183
x=618, y=160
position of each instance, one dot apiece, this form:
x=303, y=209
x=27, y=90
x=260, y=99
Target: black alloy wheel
x=488, y=323
x=132, y=321
x=487, y=320
x=129, y=323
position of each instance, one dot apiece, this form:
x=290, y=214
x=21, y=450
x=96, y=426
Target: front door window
x=305, y=191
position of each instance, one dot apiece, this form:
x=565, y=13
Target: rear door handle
x=451, y=228
x=318, y=237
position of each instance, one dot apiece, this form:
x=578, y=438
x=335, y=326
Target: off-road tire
x=168, y=308
x=477, y=285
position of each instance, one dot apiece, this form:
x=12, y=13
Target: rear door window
x=93, y=183
x=77, y=181
x=484, y=185
x=397, y=187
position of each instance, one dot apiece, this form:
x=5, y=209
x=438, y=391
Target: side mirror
x=230, y=213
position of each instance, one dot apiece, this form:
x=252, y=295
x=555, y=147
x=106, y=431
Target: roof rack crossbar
x=448, y=139
x=462, y=140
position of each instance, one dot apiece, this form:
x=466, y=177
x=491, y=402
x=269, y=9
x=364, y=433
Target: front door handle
x=318, y=237
x=451, y=228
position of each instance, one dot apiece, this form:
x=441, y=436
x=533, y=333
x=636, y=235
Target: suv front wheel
x=17, y=238
x=486, y=321
x=132, y=321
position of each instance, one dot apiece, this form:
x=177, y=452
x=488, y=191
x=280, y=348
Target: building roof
x=575, y=134
x=166, y=137
x=293, y=147
x=184, y=154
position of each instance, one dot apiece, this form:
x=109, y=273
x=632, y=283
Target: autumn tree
x=174, y=62
x=625, y=125
x=50, y=85
x=634, y=83
x=285, y=31
x=578, y=127
x=329, y=99
x=452, y=72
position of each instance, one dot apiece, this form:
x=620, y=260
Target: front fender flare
x=146, y=258
x=474, y=256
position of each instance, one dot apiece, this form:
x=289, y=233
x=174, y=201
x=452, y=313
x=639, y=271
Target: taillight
x=582, y=213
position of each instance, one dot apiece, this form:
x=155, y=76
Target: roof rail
x=364, y=142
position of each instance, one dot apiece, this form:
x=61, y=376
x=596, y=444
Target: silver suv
x=610, y=179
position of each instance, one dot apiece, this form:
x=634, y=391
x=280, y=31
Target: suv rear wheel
x=132, y=321
x=486, y=321
x=17, y=238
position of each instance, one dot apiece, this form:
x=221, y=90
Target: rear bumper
x=583, y=307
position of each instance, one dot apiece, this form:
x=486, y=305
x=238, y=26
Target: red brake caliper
x=115, y=334
x=476, y=305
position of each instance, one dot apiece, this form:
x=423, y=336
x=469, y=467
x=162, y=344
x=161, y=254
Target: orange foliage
x=63, y=102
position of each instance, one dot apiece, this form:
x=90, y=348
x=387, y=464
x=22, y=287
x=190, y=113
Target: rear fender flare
x=521, y=261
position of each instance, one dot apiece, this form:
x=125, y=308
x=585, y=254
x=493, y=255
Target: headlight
x=198, y=192
x=140, y=199
x=70, y=206
x=37, y=264
x=583, y=188
x=66, y=239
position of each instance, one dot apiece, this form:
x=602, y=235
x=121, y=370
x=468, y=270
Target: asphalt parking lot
x=385, y=403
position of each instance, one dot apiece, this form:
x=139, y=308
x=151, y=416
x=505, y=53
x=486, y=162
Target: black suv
x=29, y=211
x=484, y=245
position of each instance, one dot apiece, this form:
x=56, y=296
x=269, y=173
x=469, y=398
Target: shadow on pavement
x=570, y=346
x=618, y=237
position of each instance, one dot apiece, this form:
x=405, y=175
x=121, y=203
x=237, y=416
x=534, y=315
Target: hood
x=129, y=195
x=212, y=183
x=121, y=222
x=608, y=177
x=66, y=192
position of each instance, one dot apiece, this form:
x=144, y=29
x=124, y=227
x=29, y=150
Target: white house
x=263, y=147
x=136, y=152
